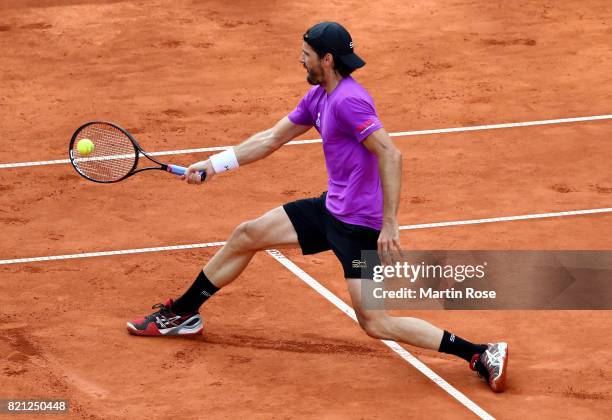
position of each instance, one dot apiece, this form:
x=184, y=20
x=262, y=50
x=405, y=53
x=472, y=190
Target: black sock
x=195, y=296
x=457, y=346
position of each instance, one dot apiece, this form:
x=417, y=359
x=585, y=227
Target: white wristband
x=224, y=161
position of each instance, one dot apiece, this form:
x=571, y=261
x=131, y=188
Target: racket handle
x=180, y=170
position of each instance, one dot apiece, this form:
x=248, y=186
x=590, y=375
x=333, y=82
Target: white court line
x=295, y=142
x=506, y=125
x=507, y=218
x=402, y=352
x=405, y=227
x=107, y=253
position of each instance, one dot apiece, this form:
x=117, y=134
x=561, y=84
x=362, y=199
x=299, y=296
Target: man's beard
x=312, y=78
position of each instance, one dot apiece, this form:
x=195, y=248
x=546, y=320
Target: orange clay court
x=193, y=74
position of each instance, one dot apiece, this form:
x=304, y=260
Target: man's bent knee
x=376, y=327
x=245, y=236
x=272, y=229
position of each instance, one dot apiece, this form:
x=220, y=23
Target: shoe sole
x=195, y=329
x=499, y=384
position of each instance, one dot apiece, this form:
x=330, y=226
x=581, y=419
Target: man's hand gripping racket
x=193, y=173
x=116, y=154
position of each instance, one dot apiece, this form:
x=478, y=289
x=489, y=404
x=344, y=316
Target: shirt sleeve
x=301, y=114
x=358, y=117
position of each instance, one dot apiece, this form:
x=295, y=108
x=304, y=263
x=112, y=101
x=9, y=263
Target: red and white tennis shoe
x=492, y=365
x=166, y=322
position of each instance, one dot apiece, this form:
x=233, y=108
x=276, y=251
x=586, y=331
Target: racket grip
x=180, y=170
x=177, y=170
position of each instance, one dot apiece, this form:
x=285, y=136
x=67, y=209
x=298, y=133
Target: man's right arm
x=254, y=148
x=264, y=143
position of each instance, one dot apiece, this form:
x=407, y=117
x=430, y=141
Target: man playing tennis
x=358, y=212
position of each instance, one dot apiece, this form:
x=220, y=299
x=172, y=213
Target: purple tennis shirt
x=344, y=119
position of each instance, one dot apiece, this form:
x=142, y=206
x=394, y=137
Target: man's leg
x=490, y=361
x=378, y=324
x=273, y=229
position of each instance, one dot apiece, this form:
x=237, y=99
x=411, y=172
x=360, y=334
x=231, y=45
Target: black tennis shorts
x=318, y=230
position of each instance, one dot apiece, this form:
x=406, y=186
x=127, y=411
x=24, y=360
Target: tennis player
x=358, y=211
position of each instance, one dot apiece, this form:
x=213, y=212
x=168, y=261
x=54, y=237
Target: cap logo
x=351, y=44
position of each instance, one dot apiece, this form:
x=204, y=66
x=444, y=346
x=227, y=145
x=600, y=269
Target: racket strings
x=113, y=157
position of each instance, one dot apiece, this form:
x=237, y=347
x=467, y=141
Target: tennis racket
x=115, y=154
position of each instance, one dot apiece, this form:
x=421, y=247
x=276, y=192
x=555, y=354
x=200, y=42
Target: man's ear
x=328, y=58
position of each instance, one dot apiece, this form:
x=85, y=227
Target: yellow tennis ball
x=85, y=147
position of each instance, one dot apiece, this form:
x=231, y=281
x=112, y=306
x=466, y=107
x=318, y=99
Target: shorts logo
x=359, y=264
x=318, y=122
x=351, y=44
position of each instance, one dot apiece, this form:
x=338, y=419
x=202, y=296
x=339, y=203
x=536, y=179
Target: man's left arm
x=390, y=169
